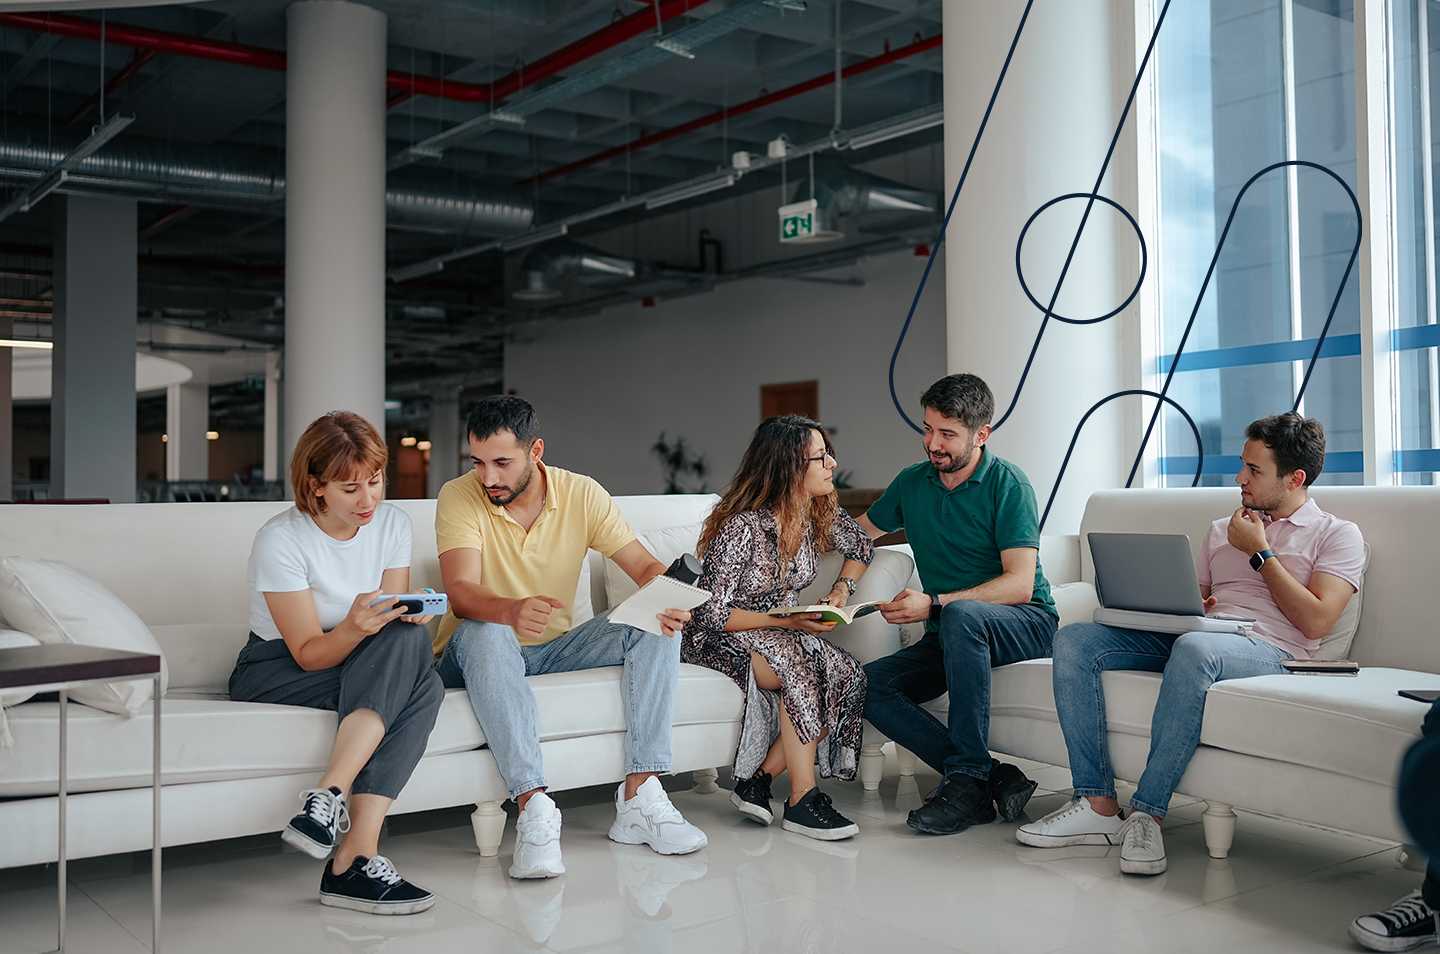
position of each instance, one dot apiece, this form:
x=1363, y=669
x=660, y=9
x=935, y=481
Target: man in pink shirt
x=1278, y=559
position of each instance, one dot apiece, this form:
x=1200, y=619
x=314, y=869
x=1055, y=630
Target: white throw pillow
x=58, y=604
x=1336, y=645
x=666, y=544
x=13, y=639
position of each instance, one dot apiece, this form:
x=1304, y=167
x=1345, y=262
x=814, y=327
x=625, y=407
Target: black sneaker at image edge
x=958, y=803
x=1406, y=925
x=372, y=885
x=752, y=797
x=814, y=816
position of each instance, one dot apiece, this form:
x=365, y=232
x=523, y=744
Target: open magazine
x=831, y=614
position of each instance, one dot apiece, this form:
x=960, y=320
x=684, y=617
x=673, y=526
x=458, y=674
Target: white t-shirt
x=291, y=553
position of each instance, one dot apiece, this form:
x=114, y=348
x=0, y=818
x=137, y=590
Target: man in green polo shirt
x=971, y=520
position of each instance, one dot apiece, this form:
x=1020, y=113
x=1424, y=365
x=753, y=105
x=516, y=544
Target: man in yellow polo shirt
x=512, y=535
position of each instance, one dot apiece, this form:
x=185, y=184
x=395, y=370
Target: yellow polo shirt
x=545, y=561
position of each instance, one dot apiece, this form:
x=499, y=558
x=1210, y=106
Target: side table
x=62, y=668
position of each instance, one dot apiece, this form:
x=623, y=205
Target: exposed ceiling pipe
x=240, y=54
x=847, y=197
x=740, y=109
x=229, y=177
x=551, y=266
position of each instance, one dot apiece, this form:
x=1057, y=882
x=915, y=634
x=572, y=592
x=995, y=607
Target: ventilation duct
x=553, y=267
x=848, y=198
x=229, y=177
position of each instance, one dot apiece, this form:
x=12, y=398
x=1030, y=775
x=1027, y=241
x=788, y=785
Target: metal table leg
x=155, y=828
x=61, y=874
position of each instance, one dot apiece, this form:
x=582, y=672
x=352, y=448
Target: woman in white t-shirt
x=321, y=637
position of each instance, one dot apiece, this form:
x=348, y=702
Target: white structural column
x=187, y=418
x=445, y=442
x=1047, y=136
x=272, y=451
x=92, y=406
x=7, y=416
x=334, y=214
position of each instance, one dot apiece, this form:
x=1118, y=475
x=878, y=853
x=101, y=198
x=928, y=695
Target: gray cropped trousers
x=391, y=673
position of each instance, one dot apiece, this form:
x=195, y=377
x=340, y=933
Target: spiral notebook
x=643, y=608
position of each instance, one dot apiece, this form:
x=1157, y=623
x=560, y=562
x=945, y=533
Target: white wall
x=606, y=386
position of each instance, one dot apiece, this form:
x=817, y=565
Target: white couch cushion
x=14, y=639
x=869, y=637
x=208, y=738
x=58, y=604
x=1356, y=726
x=665, y=543
x=1336, y=644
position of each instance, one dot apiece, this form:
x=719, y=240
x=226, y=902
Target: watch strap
x=935, y=606
x=1257, y=562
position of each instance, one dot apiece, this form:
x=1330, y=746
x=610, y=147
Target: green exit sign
x=797, y=221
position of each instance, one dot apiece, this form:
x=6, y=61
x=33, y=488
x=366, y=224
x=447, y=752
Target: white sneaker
x=1142, y=847
x=1073, y=824
x=650, y=819
x=537, y=840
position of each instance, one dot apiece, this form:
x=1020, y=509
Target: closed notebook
x=643, y=608
x=830, y=614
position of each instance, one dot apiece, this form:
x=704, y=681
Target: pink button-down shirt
x=1308, y=541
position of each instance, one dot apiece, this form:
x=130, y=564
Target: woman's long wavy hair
x=771, y=477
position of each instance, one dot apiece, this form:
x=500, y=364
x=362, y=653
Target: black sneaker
x=814, y=816
x=752, y=797
x=956, y=804
x=1405, y=925
x=1010, y=790
x=374, y=886
x=322, y=818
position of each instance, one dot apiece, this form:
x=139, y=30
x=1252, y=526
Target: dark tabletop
x=44, y=665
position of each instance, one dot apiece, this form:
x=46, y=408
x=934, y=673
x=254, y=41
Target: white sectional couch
x=233, y=769
x=1314, y=749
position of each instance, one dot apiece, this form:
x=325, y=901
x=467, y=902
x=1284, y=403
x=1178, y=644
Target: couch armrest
x=1060, y=557
x=869, y=637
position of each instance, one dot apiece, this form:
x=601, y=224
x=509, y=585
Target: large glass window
x=1415, y=41
x=1243, y=84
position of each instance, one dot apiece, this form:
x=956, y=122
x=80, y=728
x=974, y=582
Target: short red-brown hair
x=337, y=446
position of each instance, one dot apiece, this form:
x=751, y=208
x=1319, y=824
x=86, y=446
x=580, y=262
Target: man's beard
x=1263, y=505
x=956, y=464
x=519, y=489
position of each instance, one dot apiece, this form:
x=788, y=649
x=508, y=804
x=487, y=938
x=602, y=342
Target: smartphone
x=417, y=604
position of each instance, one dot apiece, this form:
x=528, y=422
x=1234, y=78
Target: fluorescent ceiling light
x=212, y=435
x=690, y=191
x=408, y=441
x=418, y=270
x=27, y=343
x=872, y=137
x=675, y=47
x=536, y=237
x=423, y=446
x=507, y=117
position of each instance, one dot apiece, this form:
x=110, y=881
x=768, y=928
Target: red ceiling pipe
x=607, y=37
x=740, y=109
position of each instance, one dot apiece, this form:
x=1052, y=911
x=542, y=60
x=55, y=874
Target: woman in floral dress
x=804, y=696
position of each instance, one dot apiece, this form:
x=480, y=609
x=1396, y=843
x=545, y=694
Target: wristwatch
x=849, y=584
x=935, y=606
x=1257, y=562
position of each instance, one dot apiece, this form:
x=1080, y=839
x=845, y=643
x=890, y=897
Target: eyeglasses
x=827, y=459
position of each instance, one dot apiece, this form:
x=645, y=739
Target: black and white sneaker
x=374, y=886
x=1405, y=925
x=814, y=816
x=752, y=797
x=322, y=819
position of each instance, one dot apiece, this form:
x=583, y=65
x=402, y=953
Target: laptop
x=1147, y=581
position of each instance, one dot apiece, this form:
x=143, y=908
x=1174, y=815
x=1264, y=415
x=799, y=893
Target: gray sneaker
x=1142, y=847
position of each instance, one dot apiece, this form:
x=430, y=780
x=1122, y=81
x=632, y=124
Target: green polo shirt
x=957, y=535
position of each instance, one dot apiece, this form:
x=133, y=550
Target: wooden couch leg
x=705, y=781
x=488, y=820
x=1219, y=822
x=872, y=765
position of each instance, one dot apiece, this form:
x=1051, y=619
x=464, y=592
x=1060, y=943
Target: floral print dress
x=823, y=685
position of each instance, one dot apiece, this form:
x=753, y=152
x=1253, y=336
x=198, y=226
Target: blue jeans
x=1192, y=663
x=956, y=658
x=489, y=662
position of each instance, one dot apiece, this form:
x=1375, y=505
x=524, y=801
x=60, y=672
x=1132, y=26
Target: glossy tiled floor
x=1284, y=888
